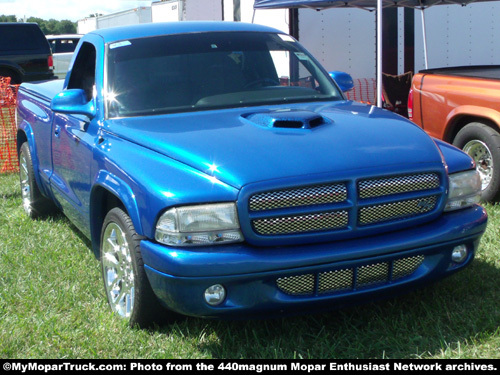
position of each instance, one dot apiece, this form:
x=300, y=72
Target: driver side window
x=83, y=72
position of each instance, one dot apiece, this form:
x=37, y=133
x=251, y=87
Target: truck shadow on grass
x=457, y=316
x=442, y=320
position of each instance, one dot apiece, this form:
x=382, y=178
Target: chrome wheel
x=481, y=154
x=25, y=184
x=126, y=284
x=118, y=270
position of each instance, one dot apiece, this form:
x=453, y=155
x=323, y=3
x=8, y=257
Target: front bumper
x=288, y=279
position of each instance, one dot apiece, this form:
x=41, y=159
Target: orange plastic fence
x=8, y=153
x=365, y=91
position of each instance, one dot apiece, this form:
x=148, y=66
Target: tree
x=49, y=27
x=65, y=27
x=10, y=18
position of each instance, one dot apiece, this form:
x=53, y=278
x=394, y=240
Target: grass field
x=52, y=305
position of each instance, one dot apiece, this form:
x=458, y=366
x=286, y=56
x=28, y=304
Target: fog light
x=459, y=253
x=215, y=295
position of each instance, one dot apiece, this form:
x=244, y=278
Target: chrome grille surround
x=397, y=210
x=301, y=223
x=306, y=196
x=396, y=185
x=348, y=279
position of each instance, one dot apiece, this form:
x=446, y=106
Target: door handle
x=57, y=130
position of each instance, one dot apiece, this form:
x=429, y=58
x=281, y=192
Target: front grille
x=302, y=223
x=307, y=196
x=324, y=208
x=349, y=279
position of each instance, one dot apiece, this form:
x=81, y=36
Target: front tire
x=126, y=284
x=482, y=143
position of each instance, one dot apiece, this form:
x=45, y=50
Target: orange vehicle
x=461, y=106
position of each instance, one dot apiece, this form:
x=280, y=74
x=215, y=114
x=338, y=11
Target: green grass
x=52, y=305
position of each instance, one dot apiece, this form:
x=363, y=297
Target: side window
x=83, y=72
x=53, y=43
x=66, y=45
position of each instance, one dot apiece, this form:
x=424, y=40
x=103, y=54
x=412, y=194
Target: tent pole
x=253, y=16
x=379, y=53
x=424, y=36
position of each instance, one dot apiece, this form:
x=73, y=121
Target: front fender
x=104, y=185
x=456, y=160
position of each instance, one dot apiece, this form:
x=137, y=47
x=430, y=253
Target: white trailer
x=187, y=10
x=345, y=39
x=127, y=17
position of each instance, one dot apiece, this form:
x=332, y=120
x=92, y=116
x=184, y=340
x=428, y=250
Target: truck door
x=72, y=145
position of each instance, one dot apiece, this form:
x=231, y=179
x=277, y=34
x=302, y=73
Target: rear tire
x=127, y=287
x=482, y=143
x=34, y=203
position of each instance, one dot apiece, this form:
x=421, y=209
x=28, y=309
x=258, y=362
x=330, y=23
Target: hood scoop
x=287, y=119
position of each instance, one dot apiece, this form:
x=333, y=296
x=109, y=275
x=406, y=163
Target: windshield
x=199, y=71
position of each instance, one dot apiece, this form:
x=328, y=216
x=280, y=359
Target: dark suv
x=25, y=53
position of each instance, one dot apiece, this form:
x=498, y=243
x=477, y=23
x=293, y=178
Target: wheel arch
x=21, y=138
x=107, y=193
x=25, y=135
x=16, y=73
x=461, y=117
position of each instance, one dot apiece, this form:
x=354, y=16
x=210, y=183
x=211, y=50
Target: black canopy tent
x=370, y=5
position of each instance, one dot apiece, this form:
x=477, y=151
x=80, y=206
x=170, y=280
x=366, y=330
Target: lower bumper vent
x=350, y=278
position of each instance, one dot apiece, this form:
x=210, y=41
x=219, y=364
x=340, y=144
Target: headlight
x=465, y=190
x=207, y=224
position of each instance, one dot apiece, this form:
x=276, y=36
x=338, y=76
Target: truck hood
x=247, y=145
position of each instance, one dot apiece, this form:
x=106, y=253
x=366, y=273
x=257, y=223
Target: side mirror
x=344, y=80
x=73, y=101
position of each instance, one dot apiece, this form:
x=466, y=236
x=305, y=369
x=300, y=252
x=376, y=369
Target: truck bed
x=45, y=90
x=478, y=71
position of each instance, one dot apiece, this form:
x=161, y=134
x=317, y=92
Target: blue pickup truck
x=219, y=171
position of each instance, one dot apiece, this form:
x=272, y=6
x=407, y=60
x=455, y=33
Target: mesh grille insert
x=301, y=223
x=335, y=281
x=397, y=210
x=312, y=195
x=297, y=285
x=372, y=274
x=405, y=267
x=396, y=185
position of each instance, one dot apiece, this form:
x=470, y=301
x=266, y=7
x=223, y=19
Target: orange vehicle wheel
x=482, y=143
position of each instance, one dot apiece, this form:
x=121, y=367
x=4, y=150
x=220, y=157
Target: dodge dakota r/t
x=219, y=171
